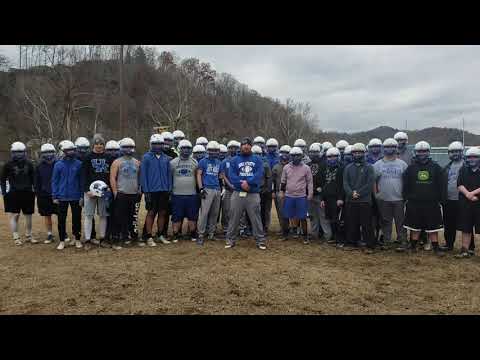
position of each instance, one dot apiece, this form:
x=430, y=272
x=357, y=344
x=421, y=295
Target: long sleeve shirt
x=297, y=180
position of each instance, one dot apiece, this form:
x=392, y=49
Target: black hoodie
x=20, y=175
x=424, y=182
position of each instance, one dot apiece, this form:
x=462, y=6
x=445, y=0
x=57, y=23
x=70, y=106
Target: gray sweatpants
x=250, y=204
x=389, y=211
x=226, y=209
x=284, y=226
x=318, y=218
x=208, y=215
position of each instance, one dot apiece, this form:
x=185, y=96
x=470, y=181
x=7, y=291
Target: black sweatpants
x=76, y=219
x=264, y=198
x=123, y=219
x=359, y=214
x=450, y=221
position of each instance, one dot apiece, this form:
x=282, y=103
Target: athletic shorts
x=46, y=207
x=468, y=217
x=423, y=216
x=157, y=201
x=185, y=206
x=295, y=208
x=16, y=201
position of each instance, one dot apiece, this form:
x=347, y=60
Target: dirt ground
x=183, y=278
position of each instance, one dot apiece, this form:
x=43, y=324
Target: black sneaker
x=471, y=252
x=306, y=240
x=200, y=241
x=331, y=241
x=400, y=248
x=340, y=246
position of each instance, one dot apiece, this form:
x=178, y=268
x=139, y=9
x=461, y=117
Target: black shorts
x=16, y=201
x=468, y=217
x=423, y=216
x=45, y=206
x=157, y=201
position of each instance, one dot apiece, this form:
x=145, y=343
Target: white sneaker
x=428, y=246
x=194, y=239
x=95, y=242
x=141, y=243
x=116, y=247
x=78, y=244
x=18, y=242
x=30, y=238
x=163, y=240
x=61, y=245
x=151, y=243
x=49, y=239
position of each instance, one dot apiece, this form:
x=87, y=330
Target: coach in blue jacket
x=156, y=183
x=246, y=174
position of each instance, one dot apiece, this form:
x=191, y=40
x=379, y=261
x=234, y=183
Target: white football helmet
x=256, y=150
x=272, y=142
x=98, y=188
x=201, y=141
x=18, y=147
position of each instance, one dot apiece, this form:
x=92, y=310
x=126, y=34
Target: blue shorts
x=295, y=208
x=185, y=206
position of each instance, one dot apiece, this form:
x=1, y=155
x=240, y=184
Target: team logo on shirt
x=100, y=165
x=246, y=168
x=212, y=169
x=423, y=175
x=129, y=170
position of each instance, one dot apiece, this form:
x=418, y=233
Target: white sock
x=103, y=226
x=14, y=225
x=49, y=233
x=28, y=225
x=88, y=224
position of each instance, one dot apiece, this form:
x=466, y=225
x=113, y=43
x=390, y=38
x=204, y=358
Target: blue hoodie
x=66, y=183
x=273, y=159
x=43, y=178
x=246, y=167
x=155, y=173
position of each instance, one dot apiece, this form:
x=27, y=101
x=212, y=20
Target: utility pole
x=20, y=57
x=463, y=131
x=122, y=117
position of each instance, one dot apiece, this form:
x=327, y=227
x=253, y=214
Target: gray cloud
x=354, y=88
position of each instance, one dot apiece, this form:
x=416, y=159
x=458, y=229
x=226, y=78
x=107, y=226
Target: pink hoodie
x=298, y=179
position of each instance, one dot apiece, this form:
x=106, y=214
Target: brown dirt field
x=182, y=278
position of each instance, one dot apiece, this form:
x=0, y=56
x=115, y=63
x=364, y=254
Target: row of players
x=341, y=189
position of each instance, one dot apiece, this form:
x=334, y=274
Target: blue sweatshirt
x=66, y=182
x=249, y=168
x=273, y=159
x=155, y=173
x=210, y=171
x=43, y=178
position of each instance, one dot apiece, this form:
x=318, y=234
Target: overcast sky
x=353, y=88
